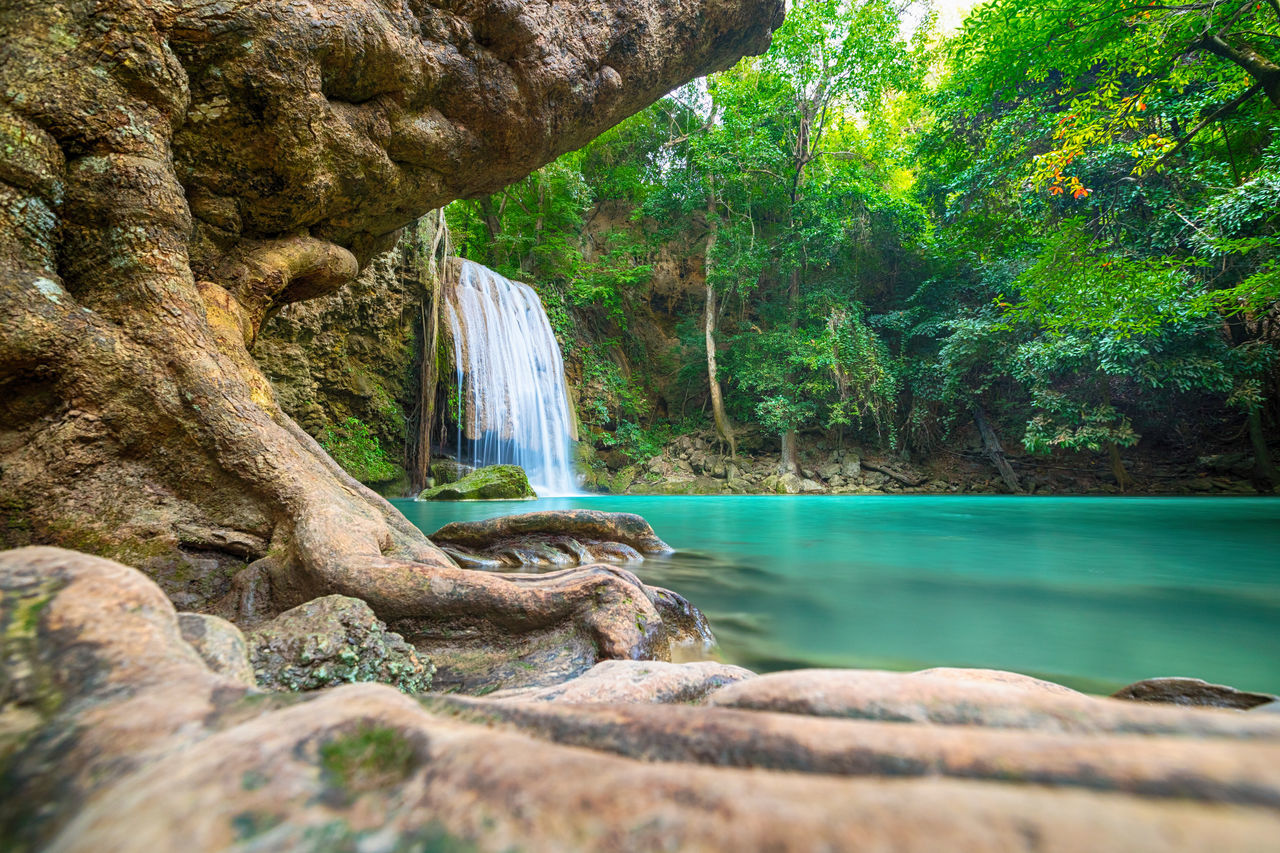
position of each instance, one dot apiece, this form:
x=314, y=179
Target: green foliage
x=354, y=446
x=1065, y=214
x=606, y=281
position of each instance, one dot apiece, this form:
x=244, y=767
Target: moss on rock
x=334, y=640
x=493, y=483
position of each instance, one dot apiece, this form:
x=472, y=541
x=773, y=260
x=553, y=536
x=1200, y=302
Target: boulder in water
x=491, y=483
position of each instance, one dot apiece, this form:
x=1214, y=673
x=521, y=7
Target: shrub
x=353, y=446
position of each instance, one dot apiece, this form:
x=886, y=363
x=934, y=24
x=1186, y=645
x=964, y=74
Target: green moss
x=249, y=824
x=496, y=482
x=370, y=758
x=252, y=780
x=28, y=613
x=354, y=446
x=20, y=611
x=15, y=522
x=338, y=837
x=99, y=541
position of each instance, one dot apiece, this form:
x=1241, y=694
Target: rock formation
x=176, y=172
x=491, y=483
x=116, y=735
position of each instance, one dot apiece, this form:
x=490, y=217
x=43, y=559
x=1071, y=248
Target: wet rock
x=1192, y=691
x=220, y=644
x=491, y=483
x=636, y=681
x=334, y=640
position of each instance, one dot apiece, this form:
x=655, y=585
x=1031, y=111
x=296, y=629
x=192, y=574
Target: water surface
x=1091, y=592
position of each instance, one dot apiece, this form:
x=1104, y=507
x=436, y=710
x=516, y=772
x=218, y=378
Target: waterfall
x=512, y=405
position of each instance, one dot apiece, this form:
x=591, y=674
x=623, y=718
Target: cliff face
x=357, y=353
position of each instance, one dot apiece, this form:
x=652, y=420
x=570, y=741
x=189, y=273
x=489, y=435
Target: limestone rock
x=220, y=644
x=491, y=483
x=636, y=681
x=789, y=484
x=334, y=640
x=810, y=486
x=1192, y=691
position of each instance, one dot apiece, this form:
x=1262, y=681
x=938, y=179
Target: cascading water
x=511, y=396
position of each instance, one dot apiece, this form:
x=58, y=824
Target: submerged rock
x=491, y=483
x=1192, y=691
x=330, y=641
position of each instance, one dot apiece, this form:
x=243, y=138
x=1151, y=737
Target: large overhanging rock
x=174, y=172
x=116, y=735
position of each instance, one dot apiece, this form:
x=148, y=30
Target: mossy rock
x=330, y=641
x=493, y=483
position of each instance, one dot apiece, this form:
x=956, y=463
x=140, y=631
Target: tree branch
x=1223, y=111
x=1266, y=72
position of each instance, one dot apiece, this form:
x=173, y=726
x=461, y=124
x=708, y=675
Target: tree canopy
x=1064, y=214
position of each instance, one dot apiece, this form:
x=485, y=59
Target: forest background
x=1057, y=222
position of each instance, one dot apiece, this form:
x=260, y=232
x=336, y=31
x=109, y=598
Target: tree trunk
x=430, y=370
x=1122, y=478
x=724, y=427
x=991, y=444
x=167, y=190
x=493, y=226
x=1264, y=467
x=788, y=463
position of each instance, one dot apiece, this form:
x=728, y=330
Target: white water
x=510, y=380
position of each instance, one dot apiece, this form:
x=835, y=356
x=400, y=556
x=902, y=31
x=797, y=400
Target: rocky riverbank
x=696, y=464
